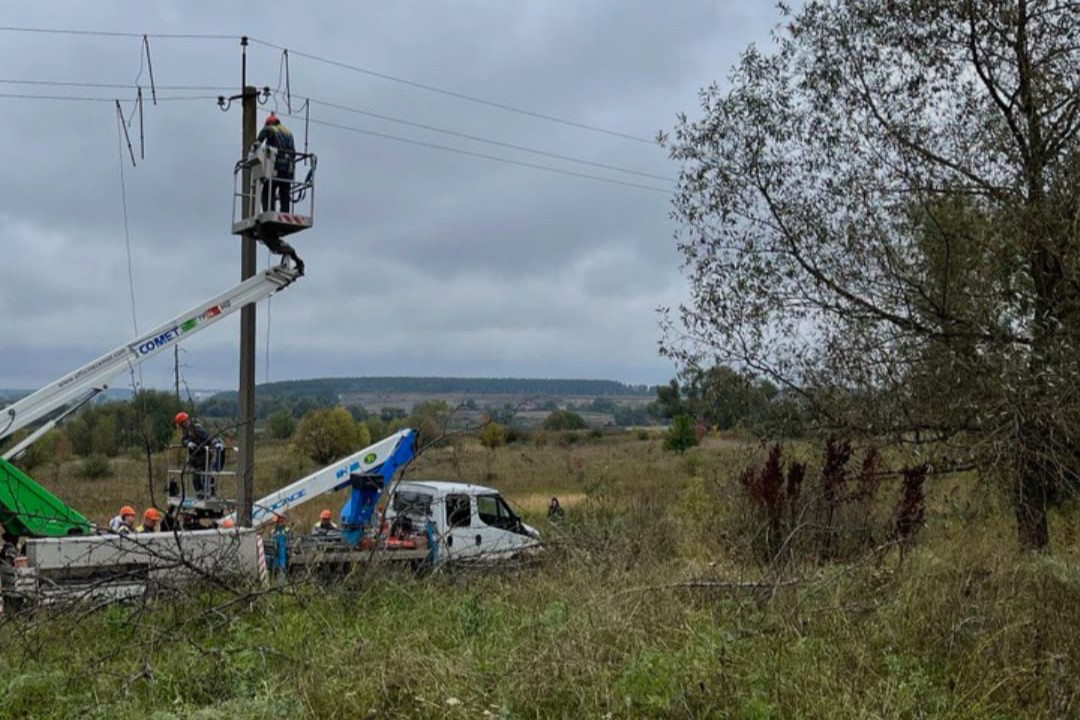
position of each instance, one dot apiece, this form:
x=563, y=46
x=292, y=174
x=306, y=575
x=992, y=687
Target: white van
x=468, y=522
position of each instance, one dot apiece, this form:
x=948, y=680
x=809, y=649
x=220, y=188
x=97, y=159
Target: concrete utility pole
x=246, y=461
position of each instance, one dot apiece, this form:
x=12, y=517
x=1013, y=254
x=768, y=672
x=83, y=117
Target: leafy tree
x=281, y=424
x=880, y=215
x=103, y=437
x=564, y=420
x=376, y=428
x=492, y=435
x=669, y=400
x=603, y=405
x=389, y=414
x=429, y=419
x=681, y=436
x=326, y=435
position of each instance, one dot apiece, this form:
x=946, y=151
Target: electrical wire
x=84, y=98
x=108, y=86
x=454, y=94
x=113, y=33
x=496, y=158
x=498, y=143
x=324, y=103
x=339, y=64
x=127, y=235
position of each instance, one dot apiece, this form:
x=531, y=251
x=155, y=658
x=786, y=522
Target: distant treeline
x=444, y=385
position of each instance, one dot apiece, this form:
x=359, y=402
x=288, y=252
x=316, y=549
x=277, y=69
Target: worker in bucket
x=279, y=187
x=325, y=525
x=277, y=136
x=205, y=454
x=124, y=522
x=150, y=519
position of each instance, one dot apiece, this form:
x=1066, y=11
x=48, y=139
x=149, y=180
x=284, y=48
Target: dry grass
x=644, y=605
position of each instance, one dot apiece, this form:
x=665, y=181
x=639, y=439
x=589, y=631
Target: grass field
x=647, y=602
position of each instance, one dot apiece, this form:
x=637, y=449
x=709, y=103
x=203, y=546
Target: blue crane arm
x=367, y=488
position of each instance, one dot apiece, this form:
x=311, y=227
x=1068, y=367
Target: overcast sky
x=421, y=261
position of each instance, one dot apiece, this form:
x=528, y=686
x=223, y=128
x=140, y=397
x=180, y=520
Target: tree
x=492, y=435
x=564, y=420
x=281, y=424
x=880, y=216
x=326, y=435
x=681, y=435
x=429, y=420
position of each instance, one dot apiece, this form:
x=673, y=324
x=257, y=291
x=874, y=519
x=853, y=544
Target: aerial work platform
x=269, y=206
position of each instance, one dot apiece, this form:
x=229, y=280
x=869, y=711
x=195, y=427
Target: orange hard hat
x=127, y=510
x=228, y=523
x=271, y=119
x=181, y=417
x=151, y=514
x=324, y=515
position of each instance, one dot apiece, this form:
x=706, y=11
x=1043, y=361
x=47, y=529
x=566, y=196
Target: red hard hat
x=228, y=523
x=324, y=515
x=127, y=510
x=151, y=514
x=271, y=119
x=181, y=417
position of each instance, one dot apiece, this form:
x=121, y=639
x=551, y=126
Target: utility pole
x=246, y=461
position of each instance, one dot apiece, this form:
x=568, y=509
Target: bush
x=95, y=467
x=565, y=420
x=326, y=435
x=833, y=515
x=681, y=436
x=492, y=435
x=281, y=424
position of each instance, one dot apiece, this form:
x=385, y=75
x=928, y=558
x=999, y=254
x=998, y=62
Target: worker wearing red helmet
x=124, y=522
x=150, y=519
x=276, y=135
x=325, y=524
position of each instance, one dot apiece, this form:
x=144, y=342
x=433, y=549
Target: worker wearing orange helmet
x=277, y=136
x=325, y=525
x=150, y=519
x=204, y=454
x=124, y=522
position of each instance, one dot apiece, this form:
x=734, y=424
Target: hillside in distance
x=469, y=386
x=339, y=387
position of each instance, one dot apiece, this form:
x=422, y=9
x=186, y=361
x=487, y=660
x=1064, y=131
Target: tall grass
x=644, y=604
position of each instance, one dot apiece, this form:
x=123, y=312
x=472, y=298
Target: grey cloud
x=421, y=261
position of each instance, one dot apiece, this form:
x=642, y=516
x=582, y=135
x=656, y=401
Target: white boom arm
x=320, y=482
x=95, y=376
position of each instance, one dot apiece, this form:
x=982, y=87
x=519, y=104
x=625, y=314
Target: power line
x=111, y=33
x=108, y=86
x=336, y=106
x=454, y=94
x=489, y=141
x=120, y=134
x=496, y=158
x=338, y=64
x=83, y=98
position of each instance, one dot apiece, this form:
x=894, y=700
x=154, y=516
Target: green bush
x=95, y=467
x=681, y=436
x=565, y=420
x=281, y=424
x=492, y=435
x=326, y=435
